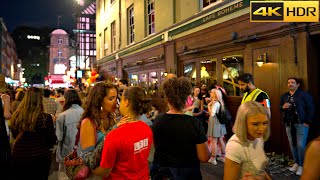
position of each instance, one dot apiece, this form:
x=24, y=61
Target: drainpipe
x=119, y=46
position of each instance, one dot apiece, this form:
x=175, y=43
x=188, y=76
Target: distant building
x=60, y=62
x=10, y=64
x=59, y=52
x=86, y=35
x=32, y=48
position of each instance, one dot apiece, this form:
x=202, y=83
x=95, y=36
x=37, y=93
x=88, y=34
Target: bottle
x=291, y=102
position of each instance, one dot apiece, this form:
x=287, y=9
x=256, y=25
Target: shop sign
x=213, y=16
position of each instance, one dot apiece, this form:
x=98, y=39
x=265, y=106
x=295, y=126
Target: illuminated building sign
x=60, y=69
x=33, y=37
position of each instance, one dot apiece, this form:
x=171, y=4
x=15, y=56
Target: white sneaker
x=294, y=168
x=221, y=159
x=213, y=161
x=300, y=171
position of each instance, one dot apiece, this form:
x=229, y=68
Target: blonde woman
x=216, y=131
x=245, y=156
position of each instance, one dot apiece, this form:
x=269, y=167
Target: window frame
x=150, y=17
x=113, y=36
x=130, y=16
x=105, y=41
x=211, y=3
x=60, y=40
x=59, y=53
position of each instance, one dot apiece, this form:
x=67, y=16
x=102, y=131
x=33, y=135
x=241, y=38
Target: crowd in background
x=115, y=127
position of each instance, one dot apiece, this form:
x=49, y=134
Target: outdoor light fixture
x=262, y=59
x=166, y=72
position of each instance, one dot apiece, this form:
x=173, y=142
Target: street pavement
x=213, y=172
x=209, y=172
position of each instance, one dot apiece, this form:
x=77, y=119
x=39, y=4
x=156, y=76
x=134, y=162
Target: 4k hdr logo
x=284, y=11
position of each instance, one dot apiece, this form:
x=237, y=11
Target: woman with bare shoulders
x=311, y=165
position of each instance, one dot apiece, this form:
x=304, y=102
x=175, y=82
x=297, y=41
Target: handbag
x=224, y=116
x=75, y=165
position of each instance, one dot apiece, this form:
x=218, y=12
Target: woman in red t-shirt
x=126, y=149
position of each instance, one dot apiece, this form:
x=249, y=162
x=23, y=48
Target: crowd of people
x=115, y=129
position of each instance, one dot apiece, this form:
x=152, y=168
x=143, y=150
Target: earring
x=101, y=108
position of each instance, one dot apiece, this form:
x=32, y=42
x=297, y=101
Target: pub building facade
x=208, y=42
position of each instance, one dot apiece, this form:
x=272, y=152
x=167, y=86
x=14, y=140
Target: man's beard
x=247, y=89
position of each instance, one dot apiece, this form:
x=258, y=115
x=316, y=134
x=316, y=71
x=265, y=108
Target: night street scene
x=159, y=90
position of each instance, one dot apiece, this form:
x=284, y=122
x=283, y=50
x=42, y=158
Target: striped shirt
x=35, y=145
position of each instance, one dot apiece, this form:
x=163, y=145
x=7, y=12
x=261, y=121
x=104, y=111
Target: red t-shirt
x=126, y=150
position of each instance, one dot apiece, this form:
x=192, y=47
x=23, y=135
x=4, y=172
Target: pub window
x=208, y=71
x=153, y=83
x=133, y=78
x=189, y=71
x=232, y=66
x=143, y=81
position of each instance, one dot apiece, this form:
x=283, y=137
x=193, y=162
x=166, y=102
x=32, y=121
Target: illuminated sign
x=284, y=11
x=60, y=69
x=33, y=37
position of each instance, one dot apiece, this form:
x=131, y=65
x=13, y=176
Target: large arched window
x=232, y=66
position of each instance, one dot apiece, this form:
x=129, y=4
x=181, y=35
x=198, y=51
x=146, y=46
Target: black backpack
x=224, y=116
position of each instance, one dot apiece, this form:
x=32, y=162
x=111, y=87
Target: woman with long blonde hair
x=216, y=131
x=35, y=136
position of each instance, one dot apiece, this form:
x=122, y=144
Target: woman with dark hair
x=197, y=103
x=154, y=112
x=97, y=119
x=126, y=149
x=179, y=139
x=34, y=133
x=18, y=98
x=66, y=126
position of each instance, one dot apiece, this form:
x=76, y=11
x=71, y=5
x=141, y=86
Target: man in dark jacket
x=297, y=108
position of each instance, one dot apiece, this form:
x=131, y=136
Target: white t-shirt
x=215, y=108
x=250, y=150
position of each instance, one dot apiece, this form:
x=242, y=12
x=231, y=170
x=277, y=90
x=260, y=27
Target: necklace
x=174, y=112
